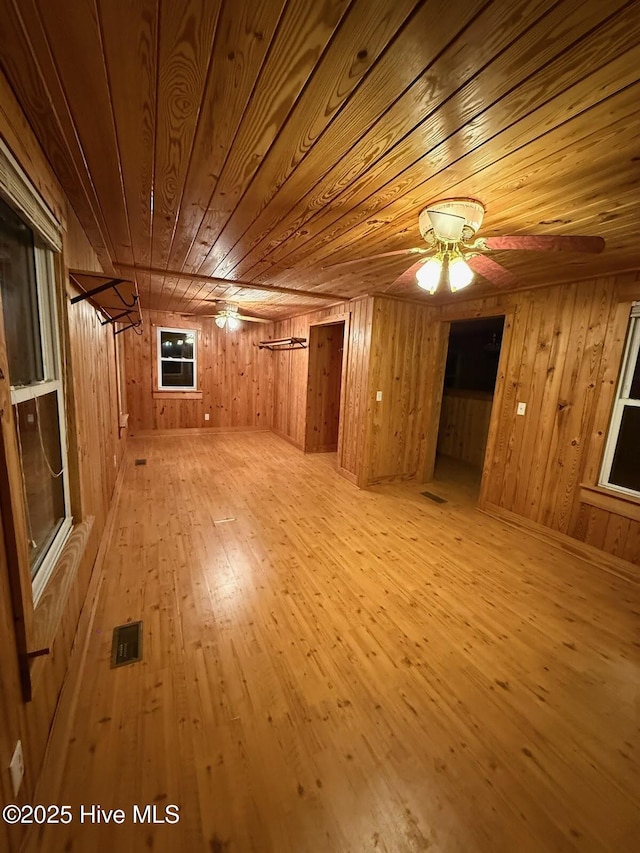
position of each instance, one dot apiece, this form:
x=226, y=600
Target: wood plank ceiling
x=263, y=140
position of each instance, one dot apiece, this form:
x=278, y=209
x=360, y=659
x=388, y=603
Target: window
x=177, y=360
x=621, y=466
x=27, y=286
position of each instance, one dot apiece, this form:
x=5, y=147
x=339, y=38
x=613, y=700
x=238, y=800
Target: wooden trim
x=288, y=439
x=163, y=433
x=615, y=502
x=250, y=285
x=348, y=475
x=177, y=395
x=600, y=559
x=53, y=602
x=14, y=520
x=441, y=346
x=336, y=320
x=496, y=406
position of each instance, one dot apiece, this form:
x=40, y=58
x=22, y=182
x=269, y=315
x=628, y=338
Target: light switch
x=378, y=396
x=522, y=408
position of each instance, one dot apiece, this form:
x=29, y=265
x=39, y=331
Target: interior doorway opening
x=471, y=371
x=324, y=387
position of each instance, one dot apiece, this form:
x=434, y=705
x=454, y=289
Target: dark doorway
x=326, y=344
x=467, y=397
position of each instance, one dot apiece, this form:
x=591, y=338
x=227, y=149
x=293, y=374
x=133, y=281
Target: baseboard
x=605, y=561
x=288, y=439
x=348, y=475
x=161, y=433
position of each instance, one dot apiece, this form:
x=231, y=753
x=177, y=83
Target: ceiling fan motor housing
x=436, y=219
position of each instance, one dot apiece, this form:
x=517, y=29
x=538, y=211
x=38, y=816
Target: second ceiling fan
x=449, y=228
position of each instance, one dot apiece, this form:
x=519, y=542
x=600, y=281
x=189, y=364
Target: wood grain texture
x=403, y=354
x=325, y=357
x=234, y=377
x=94, y=455
x=265, y=140
x=464, y=426
x=342, y=670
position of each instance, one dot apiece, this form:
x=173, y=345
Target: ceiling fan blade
x=547, y=243
x=491, y=270
x=408, y=276
x=415, y=251
x=447, y=226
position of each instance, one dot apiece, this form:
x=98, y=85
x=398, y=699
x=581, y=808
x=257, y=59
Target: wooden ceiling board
x=26, y=61
x=262, y=140
x=352, y=54
x=185, y=46
x=75, y=42
x=486, y=144
x=438, y=158
x=401, y=213
x=245, y=32
x=301, y=38
x=131, y=64
x=389, y=119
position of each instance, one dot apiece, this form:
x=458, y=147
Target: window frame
x=177, y=388
x=621, y=402
x=18, y=191
x=52, y=383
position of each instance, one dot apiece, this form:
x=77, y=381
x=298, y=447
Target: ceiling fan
x=228, y=316
x=449, y=228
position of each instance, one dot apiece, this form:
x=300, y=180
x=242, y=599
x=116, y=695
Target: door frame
x=435, y=401
x=333, y=320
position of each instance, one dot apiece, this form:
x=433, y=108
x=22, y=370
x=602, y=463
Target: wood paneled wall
x=95, y=452
x=291, y=381
x=235, y=378
x=404, y=351
x=561, y=356
x=464, y=425
x=326, y=351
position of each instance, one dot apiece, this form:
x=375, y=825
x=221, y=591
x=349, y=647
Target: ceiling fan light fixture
x=221, y=322
x=429, y=274
x=233, y=324
x=460, y=274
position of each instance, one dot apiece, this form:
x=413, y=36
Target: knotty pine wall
x=234, y=376
x=403, y=351
x=326, y=345
x=95, y=452
x=464, y=425
x=562, y=352
x=291, y=381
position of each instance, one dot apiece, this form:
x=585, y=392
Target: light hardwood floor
x=331, y=670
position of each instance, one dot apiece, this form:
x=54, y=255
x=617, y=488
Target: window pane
x=177, y=344
x=19, y=299
x=634, y=391
x=625, y=470
x=178, y=374
x=44, y=493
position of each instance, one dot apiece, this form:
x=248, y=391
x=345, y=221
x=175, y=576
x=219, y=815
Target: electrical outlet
x=206, y=416
x=522, y=408
x=16, y=768
x=378, y=396
x=30, y=418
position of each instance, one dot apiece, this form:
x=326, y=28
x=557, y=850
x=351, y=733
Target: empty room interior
x=320, y=426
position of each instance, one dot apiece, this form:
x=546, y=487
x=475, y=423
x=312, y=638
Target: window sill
x=177, y=395
x=611, y=501
x=53, y=600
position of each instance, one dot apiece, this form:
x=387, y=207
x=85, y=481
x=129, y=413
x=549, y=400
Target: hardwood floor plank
x=327, y=669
